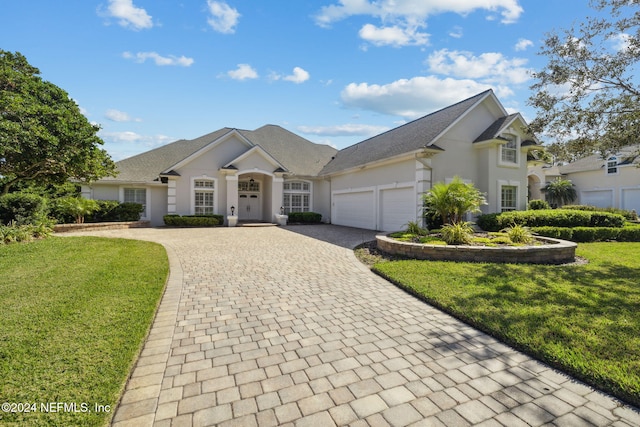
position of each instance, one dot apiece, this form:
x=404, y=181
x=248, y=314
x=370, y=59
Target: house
x=375, y=184
x=611, y=181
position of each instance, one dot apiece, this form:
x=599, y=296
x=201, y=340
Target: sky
x=336, y=72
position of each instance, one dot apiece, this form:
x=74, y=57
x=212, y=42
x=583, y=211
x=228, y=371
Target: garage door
x=631, y=199
x=599, y=198
x=355, y=209
x=397, y=208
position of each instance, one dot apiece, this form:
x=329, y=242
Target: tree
x=560, y=191
x=586, y=95
x=452, y=201
x=44, y=137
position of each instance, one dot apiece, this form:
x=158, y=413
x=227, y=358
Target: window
x=248, y=186
x=137, y=195
x=297, y=196
x=203, y=196
x=612, y=165
x=509, y=151
x=508, y=198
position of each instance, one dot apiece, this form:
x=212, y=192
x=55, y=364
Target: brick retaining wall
x=556, y=252
x=68, y=228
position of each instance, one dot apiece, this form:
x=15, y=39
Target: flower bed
x=551, y=251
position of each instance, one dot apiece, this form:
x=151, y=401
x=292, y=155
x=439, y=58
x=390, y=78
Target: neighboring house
x=612, y=181
x=375, y=184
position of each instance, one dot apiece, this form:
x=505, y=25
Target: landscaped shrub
x=193, y=220
x=107, y=211
x=591, y=234
x=560, y=218
x=15, y=233
x=23, y=208
x=459, y=233
x=554, y=232
x=305, y=217
x=519, y=234
x=629, y=234
x=630, y=215
x=129, y=212
x=536, y=205
x=489, y=222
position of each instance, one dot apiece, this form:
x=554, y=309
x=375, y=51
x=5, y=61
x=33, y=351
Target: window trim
x=514, y=207
x=146, y=214
x=302, y=192
x=503, y=147
x=213, y=190
x=615, y=168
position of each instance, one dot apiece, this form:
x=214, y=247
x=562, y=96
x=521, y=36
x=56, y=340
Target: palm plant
x=560, y=192
x=452, y=201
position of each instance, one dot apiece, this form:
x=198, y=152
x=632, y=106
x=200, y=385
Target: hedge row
x=591, y=234
x=550, y=218
x=305, y=217
x=193, y=220
x=630, y=215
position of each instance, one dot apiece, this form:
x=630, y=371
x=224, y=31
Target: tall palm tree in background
x=560, y=192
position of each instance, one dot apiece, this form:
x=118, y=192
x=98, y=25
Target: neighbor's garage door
x=631, y=199
x=397, y=208
x=599, y=198
x=355, y=209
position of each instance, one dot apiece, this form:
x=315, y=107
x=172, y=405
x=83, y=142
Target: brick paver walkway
x=267, y=326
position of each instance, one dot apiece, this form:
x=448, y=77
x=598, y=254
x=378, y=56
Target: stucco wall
x=627, y=178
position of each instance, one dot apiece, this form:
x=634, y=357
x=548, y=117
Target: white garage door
x=599, y=198
x=356, y=209
x=397, y=208
x=631, y=199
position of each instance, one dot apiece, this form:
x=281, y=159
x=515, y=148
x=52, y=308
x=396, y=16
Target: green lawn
x=584, y=319
x=75, y=312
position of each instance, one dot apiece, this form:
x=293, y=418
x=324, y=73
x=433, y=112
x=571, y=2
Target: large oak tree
x=44, y=138
x=588, y=96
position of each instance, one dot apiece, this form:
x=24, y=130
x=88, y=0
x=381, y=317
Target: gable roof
x=412, y=136
x=626, y=155
x=296, y=154
x=145, y=167
x=496, y=128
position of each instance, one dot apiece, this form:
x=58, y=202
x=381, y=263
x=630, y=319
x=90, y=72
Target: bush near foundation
x=305, y=217
x=591, y=234
x=550, y=218
x=193, y=220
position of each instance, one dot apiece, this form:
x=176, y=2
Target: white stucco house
x=375, y=184
x=612, y=181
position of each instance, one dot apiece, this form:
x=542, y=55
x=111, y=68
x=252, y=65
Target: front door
x=249, y=207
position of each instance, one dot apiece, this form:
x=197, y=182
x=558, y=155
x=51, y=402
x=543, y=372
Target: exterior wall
x=628, y=177
x=397, y=172
x=321, y=198
x=105, y=192
x=158, y=205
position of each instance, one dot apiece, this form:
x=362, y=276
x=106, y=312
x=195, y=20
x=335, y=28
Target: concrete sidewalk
x=283, y=326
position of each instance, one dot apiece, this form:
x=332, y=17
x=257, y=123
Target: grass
x=583, y=318
x=75, y=312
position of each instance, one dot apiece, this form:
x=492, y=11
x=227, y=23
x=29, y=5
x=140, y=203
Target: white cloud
x=415, y=11
x=621, y=42
x=129, y=15
x=160, y=60
x=133, y=138
x=490, y=67
x=393, y=36
x=412, y=98
x=299, y=75
x=349, y=129
x=243, y=72
x=223, y=18
x=119, y=116
x=523, y=44
x=456, y=32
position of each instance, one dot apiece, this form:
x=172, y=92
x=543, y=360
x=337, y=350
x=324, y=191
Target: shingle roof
x=298, y=155
x=412, y=136
x=146, y=166
x=496, y=128
x=626, y=155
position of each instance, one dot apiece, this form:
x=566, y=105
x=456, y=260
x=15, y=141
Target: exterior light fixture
x=251, y=181
x=281, y=210
x=233, y=208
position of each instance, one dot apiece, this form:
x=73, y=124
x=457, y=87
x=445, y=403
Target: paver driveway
x=268, y=326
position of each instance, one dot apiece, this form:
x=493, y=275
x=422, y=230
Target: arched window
x=297, y=196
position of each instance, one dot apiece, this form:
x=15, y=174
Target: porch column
x=171, y=196
x=423, y=184
x=232, y=199
x=277, y=192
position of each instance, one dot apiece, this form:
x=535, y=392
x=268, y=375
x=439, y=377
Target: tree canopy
x=587, y=97
x=44, y=137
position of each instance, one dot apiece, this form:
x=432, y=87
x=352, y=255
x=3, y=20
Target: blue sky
x=333, y=71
